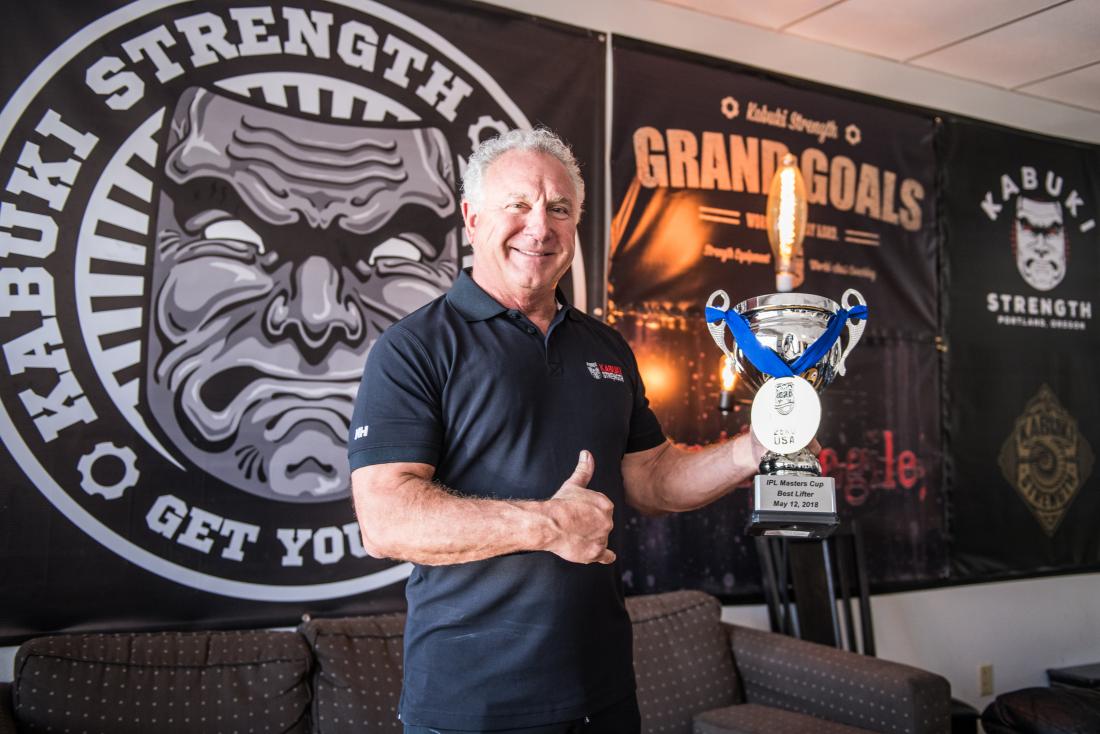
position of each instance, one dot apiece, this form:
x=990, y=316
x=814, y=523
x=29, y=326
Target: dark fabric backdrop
x=678, y=234
x=1024, y=351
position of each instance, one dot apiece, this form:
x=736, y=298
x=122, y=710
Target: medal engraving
x=785, y=414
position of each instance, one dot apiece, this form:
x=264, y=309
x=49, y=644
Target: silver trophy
x=787, y=349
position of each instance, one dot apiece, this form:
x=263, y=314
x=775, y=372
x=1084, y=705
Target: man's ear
x=469, y=219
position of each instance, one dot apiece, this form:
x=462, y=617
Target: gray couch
x=695, y=674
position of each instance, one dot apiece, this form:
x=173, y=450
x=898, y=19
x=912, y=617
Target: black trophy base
x=808, y=526
x=791, y=505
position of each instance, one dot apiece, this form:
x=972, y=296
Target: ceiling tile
x=771, y=14
x=1054, y=40
x=1081, y=88
x=902, y=29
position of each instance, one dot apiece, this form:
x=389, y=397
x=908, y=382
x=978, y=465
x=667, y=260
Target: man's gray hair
x=540, y=140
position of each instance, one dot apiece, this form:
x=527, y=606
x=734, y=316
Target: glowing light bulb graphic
x=786, y=223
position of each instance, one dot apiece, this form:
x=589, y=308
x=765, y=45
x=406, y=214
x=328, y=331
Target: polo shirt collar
x=470, y=300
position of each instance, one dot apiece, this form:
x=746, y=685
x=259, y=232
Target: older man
x=497, y=433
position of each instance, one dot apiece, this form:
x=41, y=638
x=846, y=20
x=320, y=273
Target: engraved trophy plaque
x=787, y=349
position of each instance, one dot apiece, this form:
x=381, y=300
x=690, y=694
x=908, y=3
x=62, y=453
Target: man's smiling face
x=523, y=230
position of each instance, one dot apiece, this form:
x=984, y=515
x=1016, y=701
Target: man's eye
x=395, y=247
x=235, y=230
x=560, y=212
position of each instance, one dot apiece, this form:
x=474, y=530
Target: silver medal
x=786, y=413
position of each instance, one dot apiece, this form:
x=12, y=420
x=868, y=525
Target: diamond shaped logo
x=1046, y=459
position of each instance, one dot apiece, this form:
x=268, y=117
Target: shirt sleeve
x=645, y=429
x=397, y=414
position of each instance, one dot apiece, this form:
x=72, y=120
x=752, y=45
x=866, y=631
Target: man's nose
x=315, y=311
x=537, y=224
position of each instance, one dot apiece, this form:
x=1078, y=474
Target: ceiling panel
x=1043, y=48
x=1080, y=87
x=1057, y=39
x=902, y=29
x=771, y=14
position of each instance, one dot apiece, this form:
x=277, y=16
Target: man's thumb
x=582, y=475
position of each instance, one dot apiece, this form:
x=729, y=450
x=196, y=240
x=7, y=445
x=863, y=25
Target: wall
x=1020, y=627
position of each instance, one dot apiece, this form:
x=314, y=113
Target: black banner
x=695, y=143
x=211, y=212
x=1023, y=248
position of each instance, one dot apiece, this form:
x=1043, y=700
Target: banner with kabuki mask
x=211, y=212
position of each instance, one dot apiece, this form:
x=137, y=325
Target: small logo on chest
x=605, y=371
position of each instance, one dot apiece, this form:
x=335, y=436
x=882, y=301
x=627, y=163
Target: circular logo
x=212, y=214
x=786, y=412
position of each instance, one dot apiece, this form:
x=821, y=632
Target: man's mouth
x=532, y=253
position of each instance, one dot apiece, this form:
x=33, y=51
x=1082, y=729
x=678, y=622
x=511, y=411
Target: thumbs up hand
x=581, y=519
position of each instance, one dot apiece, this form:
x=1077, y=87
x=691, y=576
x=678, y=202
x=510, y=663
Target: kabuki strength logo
x=210, y=215
x=1047, y=215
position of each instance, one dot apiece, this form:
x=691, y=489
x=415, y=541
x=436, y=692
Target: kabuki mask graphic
x=1039, y=242
x=285, y=245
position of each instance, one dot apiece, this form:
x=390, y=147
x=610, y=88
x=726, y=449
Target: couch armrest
x=7, y=711
x=834, y=684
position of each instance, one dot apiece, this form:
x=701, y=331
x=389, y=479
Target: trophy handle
x=855, y=331
x=721, y=301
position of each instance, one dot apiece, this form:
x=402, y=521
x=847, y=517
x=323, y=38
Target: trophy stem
x=801, y=463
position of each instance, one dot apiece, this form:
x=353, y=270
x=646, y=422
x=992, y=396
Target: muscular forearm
x=403, y=514
x=420, y=521
x=672, y=479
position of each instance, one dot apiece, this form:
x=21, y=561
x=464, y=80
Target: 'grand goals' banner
x=1023, y=249
x=695, y=143
x=209, y=214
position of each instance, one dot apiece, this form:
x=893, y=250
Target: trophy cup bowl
x=790, y=496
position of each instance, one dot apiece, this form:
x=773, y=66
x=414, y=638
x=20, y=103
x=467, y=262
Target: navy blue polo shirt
x=502, y=411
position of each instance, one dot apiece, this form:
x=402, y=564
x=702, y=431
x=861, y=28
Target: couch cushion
x=821, y=680
x=751, y=718
x=682, y=658
x=1056, y=710
x=164, y=682
x=357, y=672
x=755, y=719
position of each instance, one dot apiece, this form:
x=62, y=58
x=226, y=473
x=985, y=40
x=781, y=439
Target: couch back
x=331, y=676
x=682, y=663
x=357, y=672
x=163, y=682
x=682, y=659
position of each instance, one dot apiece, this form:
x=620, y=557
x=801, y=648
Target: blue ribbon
x=765, y=359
